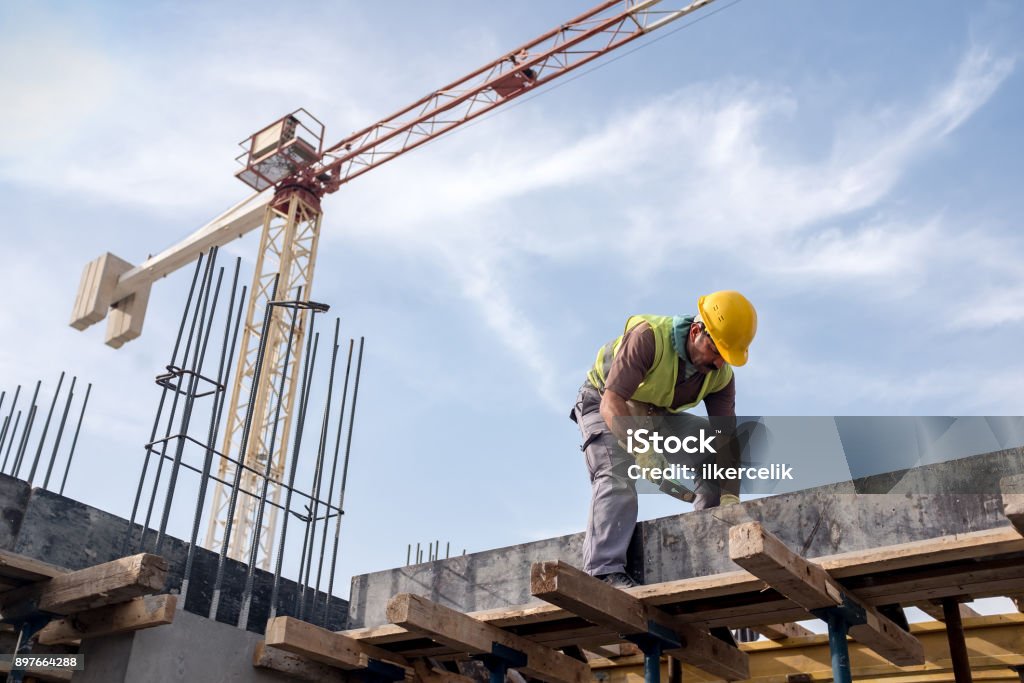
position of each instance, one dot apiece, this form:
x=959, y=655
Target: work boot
x=618, y=580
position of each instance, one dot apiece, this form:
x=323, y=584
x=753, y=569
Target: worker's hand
x=649, y=459
x=728, y=499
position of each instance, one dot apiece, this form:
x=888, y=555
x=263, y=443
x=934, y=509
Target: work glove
x=728, y=499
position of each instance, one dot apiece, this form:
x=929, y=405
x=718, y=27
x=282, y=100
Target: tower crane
x=290, y=171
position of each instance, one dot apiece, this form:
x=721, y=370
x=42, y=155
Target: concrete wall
x=49, y=527
x=820, y=521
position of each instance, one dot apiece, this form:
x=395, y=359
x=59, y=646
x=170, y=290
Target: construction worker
x=671, y=363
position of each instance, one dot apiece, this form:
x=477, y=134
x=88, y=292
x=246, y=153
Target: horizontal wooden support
x=463, y=632
x=994, y=643
x=430, y=674
x=811, y=587
x=934, y=610
x=562, y=584
x=896, y=576
x=134, y=615
x=783, y=631
x=104, y=584
x=294, y=666
x=19, y=568
x=327, y=647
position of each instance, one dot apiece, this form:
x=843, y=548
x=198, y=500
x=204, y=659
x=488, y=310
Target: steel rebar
x=300, y=426
x=243, y=613
x=74, y=441
x=330, y=487
x=60, y=432
x=198, y=360
x=203, y=295
x=29, y=419
x=300, y=593
x=160, y=409
x=46, y=428
x=244, y=445
x=17, y=421
x=223, y=373
x=344, y=469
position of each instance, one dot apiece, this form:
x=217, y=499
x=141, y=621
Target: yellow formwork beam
x=994, y=644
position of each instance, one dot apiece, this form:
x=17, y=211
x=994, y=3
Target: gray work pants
x=613, y=501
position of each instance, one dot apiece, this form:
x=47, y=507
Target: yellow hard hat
x=732, y=323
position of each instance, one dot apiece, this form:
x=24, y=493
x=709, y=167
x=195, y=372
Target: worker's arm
x=614, y=406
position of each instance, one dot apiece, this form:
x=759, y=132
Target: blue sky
x=854, y=168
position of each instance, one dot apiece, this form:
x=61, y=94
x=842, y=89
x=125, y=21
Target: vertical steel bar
x=318, y=478
x=17, y=421
x=300, y=593
x=198, y=361
x=204, y=288
x=29, y=419
x=160, y=409
x=334, y=466
x=74, y=441
x=46, y=428
x=243, y=447
x=337, y=447
x=334, y=472
x=344, y=469
x=254, y=548
x=955, y=637
x=223, y=373
x=60, y=432
x=300, y=425
x=7, y=422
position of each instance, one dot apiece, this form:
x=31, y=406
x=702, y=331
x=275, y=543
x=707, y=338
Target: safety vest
x=659, y=384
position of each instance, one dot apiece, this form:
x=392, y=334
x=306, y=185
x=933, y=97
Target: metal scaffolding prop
x=860, y=595
x=193, y=399
x=22, y=457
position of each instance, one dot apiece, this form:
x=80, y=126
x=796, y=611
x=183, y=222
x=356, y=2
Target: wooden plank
x=16, y=569
x=294, y=666
x=425, y=673
x=934, y=610
x=737, y=599
x=327, y=647
x=458, y=630
x=783, y=631
x=105, y=584
x=563, y=585
x=134, y=615
x=807, y=584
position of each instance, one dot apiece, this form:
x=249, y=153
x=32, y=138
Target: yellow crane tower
x=291, y=171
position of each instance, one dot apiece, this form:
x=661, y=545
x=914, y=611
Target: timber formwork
x=772, y=587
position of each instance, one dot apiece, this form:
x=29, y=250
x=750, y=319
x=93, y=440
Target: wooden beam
x=134, y=615
x=105, y=584
x=783, y=631
x=1013, y=500
x=994, y=644
x=458, y=630
x=747, y=603
x=18, y=568
x=294, y=666
x=425, y=673
x=571, y=589
x=935, y=610
x=327, y=647
x=811, y=587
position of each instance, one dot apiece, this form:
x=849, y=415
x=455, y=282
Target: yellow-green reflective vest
x=659, y=384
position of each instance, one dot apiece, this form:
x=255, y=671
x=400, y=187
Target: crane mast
x=291, y=172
